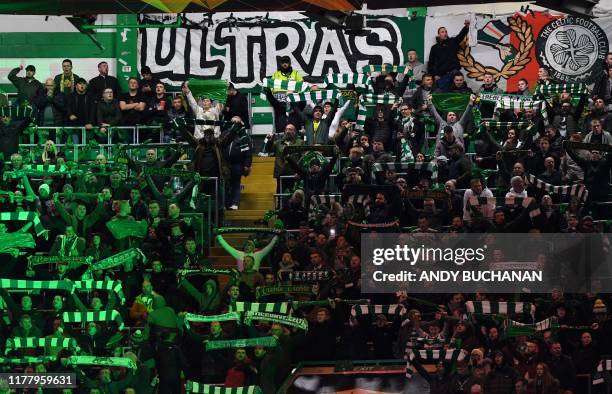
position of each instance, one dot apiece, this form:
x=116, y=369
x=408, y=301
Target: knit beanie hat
x=599, y=306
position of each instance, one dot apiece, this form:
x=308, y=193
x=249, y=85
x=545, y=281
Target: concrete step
x=264, y=203
x=259, y=159
x=265, y=186
x=245, y=214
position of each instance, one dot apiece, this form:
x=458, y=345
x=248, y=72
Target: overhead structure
x=86, y=7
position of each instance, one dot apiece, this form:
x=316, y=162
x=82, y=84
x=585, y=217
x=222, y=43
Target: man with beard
x=600, y=112
x=27, y=86
x=277, y=147
x=316, y=127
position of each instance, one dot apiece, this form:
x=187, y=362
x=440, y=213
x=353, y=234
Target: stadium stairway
x=256, y=199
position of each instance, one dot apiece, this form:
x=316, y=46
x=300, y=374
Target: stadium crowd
x=112, y=267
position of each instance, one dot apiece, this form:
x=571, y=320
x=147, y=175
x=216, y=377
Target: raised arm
x=260, y=254
x=235, y=253
x=337, y=117
x=466, y=114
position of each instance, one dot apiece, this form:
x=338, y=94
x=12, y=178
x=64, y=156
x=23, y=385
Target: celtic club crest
x=514, y=58
x=573, y=48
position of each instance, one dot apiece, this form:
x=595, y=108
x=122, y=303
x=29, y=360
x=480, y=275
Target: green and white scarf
x=343, y=80
x=118, y=259
x=26, y=360
x=388, y=98
x=393, y=309
x=430, y=166
x=272, y=307
x=24, y=216
x=506, y=125
x=208, y=271
x=579, y=191
x=33, y=342
x=124, y=362
x=25, y=284
x=108, y=285
x=173, y=172
x=292, y=321
x=263, y=291
x=556, y=88
x=499, y=308
x=450, y=355
x=514, y=329
x=237, y=230
x=241, y=343
x=387, y=68
x=511, y=103
x=70, y=260
x=200, y=388
x=314, y=97
x=93, y=316
x=283, y=84
x=230, y=316
x=305, y=276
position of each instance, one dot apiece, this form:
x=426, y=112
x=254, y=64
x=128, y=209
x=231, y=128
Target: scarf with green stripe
x=108, y=285
x=499, y=308
x=506, y=125
x=16, y=111
x=208, y=271
x=24, y=216
x=514, y=329
x=33, y=342
x=242, y=343
x=25, y=284
x=292, y=321
x=314, y=97
x=371, y=98
x=448, y=355
x=15, y=241
x=237, y=230
x=556, y=88
x=579, y=191
x=343, y=80
x=38, y=170
x=386, y=68
x=475, y=203
x=70, y=260
x=124, y=362
x=26, y=360
x=93, y=316
x=200, y=388
x=230, y=316
x=272, y=307
x=282, y=84
x=124, y=228
x=118, y=259
x=393, y=309
x=173, y=172
x=512, y=103
x=263, y=291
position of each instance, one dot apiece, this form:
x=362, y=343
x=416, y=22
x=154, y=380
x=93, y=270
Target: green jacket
x=320, y=136
x=26, y=89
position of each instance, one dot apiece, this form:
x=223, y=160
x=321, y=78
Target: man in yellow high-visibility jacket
x=277, y=97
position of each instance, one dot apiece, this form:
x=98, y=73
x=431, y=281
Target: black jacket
x=443, y=55
x=57, y=102
x=237, y=154
x=98, y=84
x=9, y=136
x=83, y=107
x=238, y=106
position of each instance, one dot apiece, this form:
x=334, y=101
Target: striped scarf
x=362, y=114
x=33, y=342
x=363, y=200
x=200, y=388
x=16, y=112
x=499, y=308
x=318, y=200
x=556, y=88
x=173, y=172
x=240, y=343
x=24, y=216
x=236, y=230
x=603, y=366
x=230, y=316
x=93, y=316
x=70, y=260
x=371, y=310
x=386, y=68
x=510, y=103
x=292, y=321
x=25, y=284
x=263, y=291
x=305, y=276
x=118, y=259
x=430, y=166
x=578, y=191
x=343, y=80
x=514, y=329
x=283, y=84
x=314, y=97
x=26, y=360
x=450, y=355
x=278, y=307
x=477, y=202
x=505, y=125
x=388, y=98
x=108, y=285
x=124, y=362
